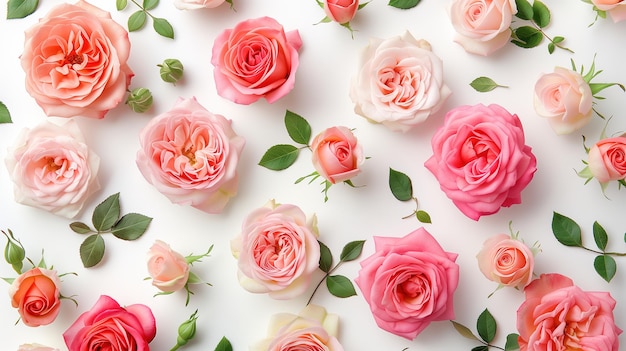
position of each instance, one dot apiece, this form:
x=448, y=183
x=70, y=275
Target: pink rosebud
x=607, y=159
x=341, y=11
x=35, y=294
x=506, y=261
x=167, y=268
x=337, y=154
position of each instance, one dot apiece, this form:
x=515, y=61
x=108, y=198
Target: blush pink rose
x=565, y=99
x=337, y=154
x=255, y=59
x=190, y=155
x=197, y=4
x=341, y=11
x=35, y=347
x=607, y=159
x=481, y=160
x=482, y=26
x=108, y=326
x=75, y=61
x=506, y=261
x=558, y=315
x=399, y=82
x=277, y=251
x=52, y=168
x=409, y=282
x=35, y=293
x=615, y=8
x=168, y=269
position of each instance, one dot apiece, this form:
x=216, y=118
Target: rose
x=190, y=155
x=482, y=26
x=75, y=61
x=399, y=82
x=480, y=159
x=52, y=168
x=409, y=282
x=197, y=4
x=337, y=154
x=565, y=99
x=35, y=294
x=35, y=347
x=108, y=326
x=341, y=11
x=169, y=269
x=615, y=8
x=506, y=261
x=557, y=315
x=277, y=250
x=255, y=59
x=313, y=329
x=607, y=159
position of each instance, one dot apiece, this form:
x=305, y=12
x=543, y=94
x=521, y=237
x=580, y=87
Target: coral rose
x=168, y=269
x=75, y=61
x=35, y=347
x=409, y=282
x=35, y=293
x=607, y=159
x=506, y=261
x=337, y=154
x=615, y=8
x=197, y=4
x=341, y=11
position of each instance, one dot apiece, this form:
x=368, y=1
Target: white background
x=328, y=60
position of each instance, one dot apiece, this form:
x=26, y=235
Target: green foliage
x=279, y=157
x=326, y=258
x=340, y=286
x=423, y=216
x=163, y=27
x=138, y=19
x=21, y=8
x=511, y=342
x=487, y=328
x=566, y=231
x=401, y=187
x=538, y=16
x=14, y=252
x=605, y=266
x=298, y=128
x=5, y=116
x=352, y=250
x=224, y=345
x=92, y=250
x=403, y=4
x=485, y=84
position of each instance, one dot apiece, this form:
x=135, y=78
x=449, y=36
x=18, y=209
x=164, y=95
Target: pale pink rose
x=481, y=160
x=558, y=315
x=409, y=282
x=52, y=168
x=482, y=26
x=197, y=4
x=108, y=326
x=190, y=155
x=35, y=293
x=277, y=251
x=255, y=59
x=35, y=347
x=75, y=61
x=506, y=261
x=565, y=99
x=341, y=11
x=313, y=329
x=168, y=269
x=607, y=159
x=337, y=154
x=615, y=8
x=399, y=82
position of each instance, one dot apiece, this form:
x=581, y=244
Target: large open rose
x=35, y=294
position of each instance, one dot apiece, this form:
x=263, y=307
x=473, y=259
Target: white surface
x=328, y=59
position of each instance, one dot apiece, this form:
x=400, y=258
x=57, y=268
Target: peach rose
x=168, y=269
x=190, y=155
x=337, y=154
x=615, y=8
x=506, y=261
x=197, y=4
x=255, y=59
x=399, y=82
x=341, y=11
x=607, y=159
x=277, y=251
x=482, y=26
x=565, y=99
x=75, y=61
x=35, y=347
x=558, y=315
x=35, y=294
x=53, y=169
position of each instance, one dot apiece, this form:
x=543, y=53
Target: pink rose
x=277, y=251
x=108, y=326
x=35, y=293
x=399, y=82
x=313, y=329
x=481, y=160
x=255, y=59
x=168, y=269
x=482, y=26
x=197, y=4
x=53, y=169
x=565, y=99
x=337, y=154
x=558, y=315
x=607, y=159
x=409, y=282
x=341, y=11
x=615, y=8
x=506, y=261
x=75, y=61
x=190, y=155
x=35, y=347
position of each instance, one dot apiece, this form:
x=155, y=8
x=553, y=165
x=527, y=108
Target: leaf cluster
x=484, y=84
x=539, y=17
x=401, y=187
x=487, y=327
x=21, y=8
x=138, y=19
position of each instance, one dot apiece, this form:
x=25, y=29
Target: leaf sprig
x=487, y=327
x=539, y=17
x=402, y=189
x=484, y=84
x=137, y=19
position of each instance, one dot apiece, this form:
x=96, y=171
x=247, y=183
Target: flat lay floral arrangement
x=319, y=175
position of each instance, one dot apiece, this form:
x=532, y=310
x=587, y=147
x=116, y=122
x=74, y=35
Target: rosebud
x=186, y=331
x=341, y=11
x=139, y=100
x=171, y=70
x=14, y=252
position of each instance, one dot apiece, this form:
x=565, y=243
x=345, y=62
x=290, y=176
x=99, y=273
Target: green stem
x=558, y=45
x=611, y=253
x=416, y=208
x=176, y=347
x=323, y=278
x=142, y=8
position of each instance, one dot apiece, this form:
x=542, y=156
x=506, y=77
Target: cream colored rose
x=506, y=261
x=167, y=268
x=35, y=347
x=197, y=4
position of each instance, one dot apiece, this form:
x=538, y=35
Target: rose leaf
x=163, y=27
x=107, y=213
x=279, y=157
x=131, y=226
x=137, y=20
x=464, y=331
x=566, y=231
x=121, y=4
x=481, y=348
x=484, y=84
x=150, y=4
x=352, y=250
x=511, y=342
x=340, y=286
x=403, y=4
x=605, y=266
x=486, y=326
x=92, y=250
x=326, y=258
x=423, y=216
x=21, y=8
x=224, y=345
x=400, y=185
x=298, y=128
x=526, y=37
x=541, y=14
x=600, y=236
x=80, y=228
x=524, y=10
x=5, y=116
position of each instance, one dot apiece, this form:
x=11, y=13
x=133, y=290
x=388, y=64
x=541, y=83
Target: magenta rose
x=409, y=282
x=481, y=160
x=255, y=59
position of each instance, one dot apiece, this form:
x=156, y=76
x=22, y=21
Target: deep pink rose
x=409, y=282
x=341, y=11
x=255, y=59
x=558, y=315
x=190, y=155
x=108, y=326
x=615, y=8
x=75, y=61
x=35, y=293
x=481, y=160
x=337, y=154
x=607, y=159
x=506, y=261
x=168, y=269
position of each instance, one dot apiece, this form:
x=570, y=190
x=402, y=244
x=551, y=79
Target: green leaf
x=92, y=250
x=524, y=10
x=107, y=213
x=400, y=185
x=352, y=250
x=600, y=236
x=298, y=128
x=8, y=280
x=423, y=216
x=340, y=286
x=326, y=258
x=558, y=39
x=80, y=228
x=511, y=342
x=541, y=15
x=486, y=326
x=480, y=348
x=193, y=278
x=527, y=37
x=137, y=20
x=163, y=27
x=150, y=4
x=5, y=115
x=464, y=331
x=21, y=8
x=484, y=84
x=131, y=226
x=598, y=87
x=403, y=4
x=566, y=231
x=224, y=345
x=605, y=266
x=279, y=157
x=121, y=4
x=551, y=47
